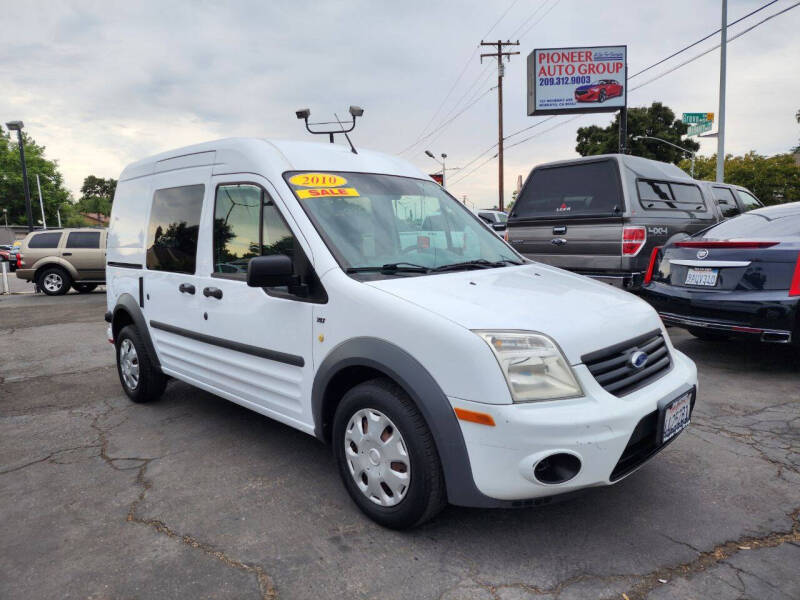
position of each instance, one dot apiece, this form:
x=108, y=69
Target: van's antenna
x=347, y=137
x=355, y=111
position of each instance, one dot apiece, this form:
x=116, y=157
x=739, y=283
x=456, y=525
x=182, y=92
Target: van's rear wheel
x=54, y=281
x=386, y=455
x=139, y=377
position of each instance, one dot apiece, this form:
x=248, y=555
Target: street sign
x=699, y=128
x=691, y=118
x=437, y=177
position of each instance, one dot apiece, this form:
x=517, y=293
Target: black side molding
x=124, y=265
x=282, y=357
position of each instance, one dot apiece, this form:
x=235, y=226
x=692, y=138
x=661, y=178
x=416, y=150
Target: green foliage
x=655, y=121
x=773, y=179
x=12, y=191
x=97, y=194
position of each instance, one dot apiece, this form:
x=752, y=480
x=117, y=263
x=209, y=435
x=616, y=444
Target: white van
x=349, y=296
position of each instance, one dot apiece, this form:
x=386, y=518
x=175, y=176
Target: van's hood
x=580, y=314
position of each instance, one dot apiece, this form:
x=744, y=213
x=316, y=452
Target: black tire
x=425, y=495
x=150, y=382
x=54, y=281
x=602, y=97
x=708, y=335
x=84, y=288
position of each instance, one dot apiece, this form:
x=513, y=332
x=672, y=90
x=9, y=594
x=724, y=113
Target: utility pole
x=499, y=54
x=41, y=202
x=723, y=55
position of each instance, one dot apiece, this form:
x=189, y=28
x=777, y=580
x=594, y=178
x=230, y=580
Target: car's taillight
x=723, y=244
x=633, y=239
x=648, y=276
x=794, y=289
x=19, y=261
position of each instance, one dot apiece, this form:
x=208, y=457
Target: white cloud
x=104, y=83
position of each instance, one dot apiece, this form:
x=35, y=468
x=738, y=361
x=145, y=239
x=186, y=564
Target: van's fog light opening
x=557, y=468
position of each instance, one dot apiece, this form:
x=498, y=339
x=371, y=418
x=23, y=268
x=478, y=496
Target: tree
x=97, y=194
x=655, y=121
x=12, y=191
x=773, y=179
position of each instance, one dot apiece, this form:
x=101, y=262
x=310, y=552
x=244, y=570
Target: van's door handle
x=213, y=292
x=186, y=288
x=66, y=254
x=558, y=241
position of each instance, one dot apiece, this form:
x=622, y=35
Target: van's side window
x=726, y=201
x=237, y=209
x=45, y=240
x=246, y=224
x=174, y=224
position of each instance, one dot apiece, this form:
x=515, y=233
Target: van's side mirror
x=270, y=271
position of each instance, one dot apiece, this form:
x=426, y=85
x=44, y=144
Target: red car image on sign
x=598, y=91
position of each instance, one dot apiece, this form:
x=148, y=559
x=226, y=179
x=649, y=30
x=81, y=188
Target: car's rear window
x=672, y=196
x=582, y=189
x=756, y=225
x=45, y=240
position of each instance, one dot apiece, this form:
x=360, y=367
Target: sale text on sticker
x=317, y=180
x=326, y=192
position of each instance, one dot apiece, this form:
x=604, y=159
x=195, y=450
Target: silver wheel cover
x=129, y=364
x=377, y=457
x=53, y=282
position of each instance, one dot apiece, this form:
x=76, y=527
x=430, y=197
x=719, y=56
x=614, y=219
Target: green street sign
x=691, y=118
x=699, y=128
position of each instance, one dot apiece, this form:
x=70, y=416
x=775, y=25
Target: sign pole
x=623, y=130
x=722, y=67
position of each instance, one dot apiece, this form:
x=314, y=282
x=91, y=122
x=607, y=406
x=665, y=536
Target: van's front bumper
x=596, y=429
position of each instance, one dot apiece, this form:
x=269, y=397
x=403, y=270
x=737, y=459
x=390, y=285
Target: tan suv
x=58, y=259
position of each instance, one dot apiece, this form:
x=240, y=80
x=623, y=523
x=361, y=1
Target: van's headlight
x=533, y=365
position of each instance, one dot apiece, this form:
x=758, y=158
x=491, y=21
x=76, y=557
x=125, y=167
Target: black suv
x=602, y=216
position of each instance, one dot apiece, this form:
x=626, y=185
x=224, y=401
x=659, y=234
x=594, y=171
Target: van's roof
x=645, y=168
x=271, y=158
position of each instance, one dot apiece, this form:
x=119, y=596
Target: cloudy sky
x=104, y=83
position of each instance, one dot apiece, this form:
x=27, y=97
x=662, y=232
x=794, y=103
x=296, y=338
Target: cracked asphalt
x=195, y=497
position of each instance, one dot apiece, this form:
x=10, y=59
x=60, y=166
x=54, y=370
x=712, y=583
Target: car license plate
x=676, y=417
x=706, y=277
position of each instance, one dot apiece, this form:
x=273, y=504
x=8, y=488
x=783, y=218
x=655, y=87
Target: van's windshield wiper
x=398, y=267
x=480, y=263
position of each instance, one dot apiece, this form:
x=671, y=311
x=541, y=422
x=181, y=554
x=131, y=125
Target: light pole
x=681, y=148
x=444, y=170
x=723, y=49
x=17, y=126
x=41, y=202
x=5, y=216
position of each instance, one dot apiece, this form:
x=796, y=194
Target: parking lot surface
x=193, y=496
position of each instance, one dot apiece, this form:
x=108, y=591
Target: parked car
x=13, y=255
x=731, y=199
x=738, y=278
x=602, y=215
x=5, y=256
x=380, y=315
x=496, y=219
x=57, y=259
x=598, y=91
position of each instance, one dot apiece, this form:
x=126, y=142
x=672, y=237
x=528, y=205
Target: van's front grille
x=613, y=367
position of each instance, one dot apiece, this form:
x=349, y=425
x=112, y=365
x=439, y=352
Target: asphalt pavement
x=195, y=497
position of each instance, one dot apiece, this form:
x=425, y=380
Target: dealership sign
x=576, y=80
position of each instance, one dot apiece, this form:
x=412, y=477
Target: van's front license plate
x=706, y=277
x=676, y=417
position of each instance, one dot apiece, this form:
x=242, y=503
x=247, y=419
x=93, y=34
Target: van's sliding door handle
x=186, y=288
x=212, y=292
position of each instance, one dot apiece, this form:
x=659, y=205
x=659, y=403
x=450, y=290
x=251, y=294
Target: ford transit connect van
x=349, y=296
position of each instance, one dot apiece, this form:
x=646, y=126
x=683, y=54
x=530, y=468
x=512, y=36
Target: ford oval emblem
x=702, y=253
x=638, y=359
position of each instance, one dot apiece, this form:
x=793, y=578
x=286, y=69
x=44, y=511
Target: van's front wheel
x=386, y=455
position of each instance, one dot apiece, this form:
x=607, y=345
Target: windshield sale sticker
x=317, y=180
x=577, y=80
x=326, y=192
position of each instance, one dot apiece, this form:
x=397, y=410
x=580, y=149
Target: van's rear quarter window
x=174, y=225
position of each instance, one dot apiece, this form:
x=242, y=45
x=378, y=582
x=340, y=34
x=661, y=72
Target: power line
x=547, y=12
x=525, y=22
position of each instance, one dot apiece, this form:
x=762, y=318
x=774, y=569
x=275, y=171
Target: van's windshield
x=390, y=225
